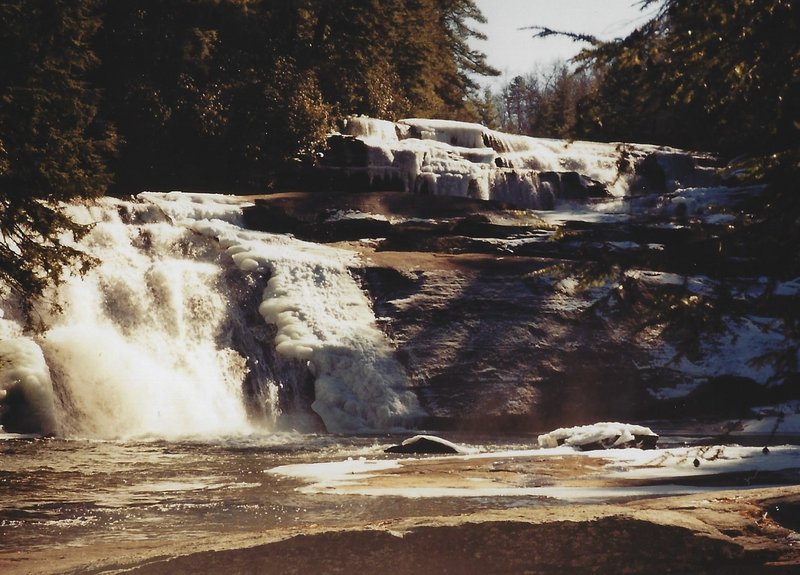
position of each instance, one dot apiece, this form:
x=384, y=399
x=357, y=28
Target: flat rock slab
x=664, y=535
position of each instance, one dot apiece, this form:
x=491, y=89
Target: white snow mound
x=610, y=434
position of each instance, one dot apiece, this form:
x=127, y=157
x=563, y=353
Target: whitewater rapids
x=157, y=340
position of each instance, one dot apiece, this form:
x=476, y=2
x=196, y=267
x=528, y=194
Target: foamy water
x=159, y=340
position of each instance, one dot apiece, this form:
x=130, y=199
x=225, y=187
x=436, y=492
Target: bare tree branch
x=545, y=32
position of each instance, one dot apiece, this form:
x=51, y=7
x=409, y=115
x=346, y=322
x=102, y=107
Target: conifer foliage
x=199, y=94
x=713, y=75
x=222, y=94
x=53, y=145
x=730, y=67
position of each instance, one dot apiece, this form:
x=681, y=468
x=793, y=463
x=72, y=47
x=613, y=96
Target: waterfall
x=181, y=328
x=138, y=345
x=325, y=320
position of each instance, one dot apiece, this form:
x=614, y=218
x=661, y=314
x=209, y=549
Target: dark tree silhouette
x=54, y=146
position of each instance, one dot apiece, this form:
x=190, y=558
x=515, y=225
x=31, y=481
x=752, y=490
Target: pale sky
x=514, y=52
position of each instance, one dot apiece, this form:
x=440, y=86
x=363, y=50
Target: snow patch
x=677, y=464
x=428, y=444
x=732, y=352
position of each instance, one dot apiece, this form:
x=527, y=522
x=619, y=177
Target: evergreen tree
x=54, y=147
x=519, y=99
x=209, y=94
x=487, y=110
x=394, y=58
x=156, y=68
x=455, y=63
x=728, y=67
x=457, y=17
x=353, y=56
x=222, y=94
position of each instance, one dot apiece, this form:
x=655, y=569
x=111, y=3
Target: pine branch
x=545, y=32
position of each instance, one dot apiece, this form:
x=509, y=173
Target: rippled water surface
x=74, y=492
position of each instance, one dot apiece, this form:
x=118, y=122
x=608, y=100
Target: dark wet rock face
x=786, y=514
x=486, y=348
x=18, y=415
x=505, y=322
x=424, y=444
x=624, y=297
x=713, y=398
x=638, y=442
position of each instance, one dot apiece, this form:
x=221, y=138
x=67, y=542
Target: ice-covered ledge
x=444, y=157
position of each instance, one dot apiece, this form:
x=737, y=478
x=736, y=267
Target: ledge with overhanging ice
x=449, y=158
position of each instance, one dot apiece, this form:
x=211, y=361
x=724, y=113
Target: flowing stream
x=80, y=493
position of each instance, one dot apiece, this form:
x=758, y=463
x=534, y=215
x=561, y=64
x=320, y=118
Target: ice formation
x=463, y=159
x=324, y=318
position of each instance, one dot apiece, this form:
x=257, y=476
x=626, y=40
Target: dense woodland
x=122, y=95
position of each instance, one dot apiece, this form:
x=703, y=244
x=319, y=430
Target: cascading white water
x=137, y=348
x=146, y=344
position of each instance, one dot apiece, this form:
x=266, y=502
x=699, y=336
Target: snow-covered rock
x=601, y=436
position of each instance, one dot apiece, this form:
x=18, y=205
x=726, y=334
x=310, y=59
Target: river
x=80, y=493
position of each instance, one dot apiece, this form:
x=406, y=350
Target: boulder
x=425, y=444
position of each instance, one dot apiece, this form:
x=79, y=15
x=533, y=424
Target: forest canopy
x=229, y=95
x=215, y=93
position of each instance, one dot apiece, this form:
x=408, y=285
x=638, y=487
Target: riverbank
x=728, y=533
